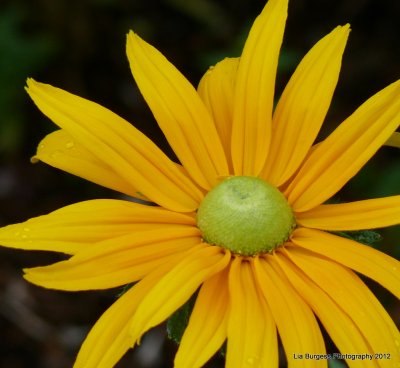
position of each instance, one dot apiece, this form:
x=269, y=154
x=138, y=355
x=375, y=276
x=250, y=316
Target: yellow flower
x=235, y=152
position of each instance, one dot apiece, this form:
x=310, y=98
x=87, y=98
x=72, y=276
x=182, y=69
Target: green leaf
x=177, y=323
x=367, y=237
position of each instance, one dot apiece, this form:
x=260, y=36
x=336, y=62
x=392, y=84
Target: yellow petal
x=355, y=299
x=343, y=331
x=394, y=140
x=376, y=265
x=340, y=156
x=117, y=261
x=252, y=338
x=179, y=112
x=60, y=150
x=206, y=330
x=368, y=214
x=254, y=90
x=216, y=89
x=109, y=338
x=303, y=105
x=173, y=290
x=297, y=325
x=80, y=226
x=119, y=145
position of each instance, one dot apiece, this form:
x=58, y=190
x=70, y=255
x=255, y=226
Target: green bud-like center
x=246, y=215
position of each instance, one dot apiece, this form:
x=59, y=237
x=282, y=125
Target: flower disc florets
x=246, y=215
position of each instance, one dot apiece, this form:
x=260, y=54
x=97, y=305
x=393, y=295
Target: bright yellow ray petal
x=119, y=145
x=367, y=214
x=348, y=291
x=297, y=325
x=79, y=226
x=109, y=338
x=216, y=89
x=173, y=290
x=394, y=140
x=340, y=156
x=254, y=90
x=364, y=259
x=206, y=330
x=303, y=105
x=179, y=112
x=252, y=338
x=343, y=331
x=117, y=261
x=60, y=150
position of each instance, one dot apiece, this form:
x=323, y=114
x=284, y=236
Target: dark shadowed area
x=80, y=46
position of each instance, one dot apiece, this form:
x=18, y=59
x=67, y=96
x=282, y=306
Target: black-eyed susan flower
x=241, y=219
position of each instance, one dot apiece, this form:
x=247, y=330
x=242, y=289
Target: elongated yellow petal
x=216, y=89
x=109, y=338
x=60, y=150
x=254, y=90
x=179, y=112
x=348, y=291
x=340, y=327
x=252, y=338
x=80, y=226
x=340, y=156
x=303, y=105
x=119, y=145
x=368, y=214
x=394, y=140
x=173, y=290
x=201, y=339
x=116, y=261
x=364, y=259
x=297, y=325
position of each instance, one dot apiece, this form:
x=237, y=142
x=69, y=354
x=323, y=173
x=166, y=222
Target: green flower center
x=246, y=215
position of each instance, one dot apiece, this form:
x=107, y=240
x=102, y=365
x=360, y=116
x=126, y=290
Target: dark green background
x=80, y=46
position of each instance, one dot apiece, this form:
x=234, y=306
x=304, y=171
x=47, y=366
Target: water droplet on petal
x=55, y=154
x=69, y=145
x=251, y=361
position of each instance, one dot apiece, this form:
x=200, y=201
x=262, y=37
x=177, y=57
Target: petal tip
x=34, y=159
x=130, y=34
x=346, y=28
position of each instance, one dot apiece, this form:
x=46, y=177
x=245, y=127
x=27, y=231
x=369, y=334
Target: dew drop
x=24, y=236
x=17, y=233
x=55, y=154
x=251, y=361
x=394, y=268
x=69, y=145
x=41, y=146
x=27, y=229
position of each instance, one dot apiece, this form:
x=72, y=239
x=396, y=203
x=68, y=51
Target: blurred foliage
x=367, y=237
x=20, y=55
x=178, y=322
